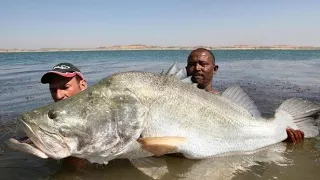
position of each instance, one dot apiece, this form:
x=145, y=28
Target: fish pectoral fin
x=161, y=145
x=151, y=166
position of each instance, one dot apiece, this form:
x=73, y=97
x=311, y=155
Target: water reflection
x=280, y=161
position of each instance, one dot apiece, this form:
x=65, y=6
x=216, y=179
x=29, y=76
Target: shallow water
x=268, y=77
x=280, y=161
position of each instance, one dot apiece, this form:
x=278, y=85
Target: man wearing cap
x=65, y=80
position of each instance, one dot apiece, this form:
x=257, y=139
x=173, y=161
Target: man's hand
x=76, y=164
x=294, y=136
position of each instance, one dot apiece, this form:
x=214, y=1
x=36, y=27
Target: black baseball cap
x=61, y=69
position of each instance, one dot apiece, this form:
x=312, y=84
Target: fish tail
x=301, y=114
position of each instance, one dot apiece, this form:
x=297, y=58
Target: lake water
x=268, y=76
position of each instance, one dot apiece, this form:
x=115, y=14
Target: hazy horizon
x=91, y=24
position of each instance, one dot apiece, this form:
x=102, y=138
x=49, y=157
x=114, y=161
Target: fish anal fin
x=161, y=145
x=151, y=166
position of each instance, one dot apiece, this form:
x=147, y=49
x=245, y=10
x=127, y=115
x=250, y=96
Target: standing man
x=202, y=68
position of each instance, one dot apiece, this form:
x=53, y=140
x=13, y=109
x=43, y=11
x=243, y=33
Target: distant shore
x=146, y=47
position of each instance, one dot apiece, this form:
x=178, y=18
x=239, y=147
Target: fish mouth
x=26, y=147
x=37, y=147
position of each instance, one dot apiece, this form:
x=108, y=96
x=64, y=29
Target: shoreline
x=153, y=48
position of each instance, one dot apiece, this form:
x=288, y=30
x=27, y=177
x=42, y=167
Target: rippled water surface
x=269, y=77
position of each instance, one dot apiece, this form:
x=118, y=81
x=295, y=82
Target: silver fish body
x=105, y=121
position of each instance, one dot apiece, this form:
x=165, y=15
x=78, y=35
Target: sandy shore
x=146, y=47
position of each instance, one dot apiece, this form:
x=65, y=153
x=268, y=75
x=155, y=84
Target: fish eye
x=52, y=114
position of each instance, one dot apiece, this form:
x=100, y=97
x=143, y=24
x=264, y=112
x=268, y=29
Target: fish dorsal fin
x=182, y=74
x=174, y=68
x=151, y=166
x=177, y=72
x=188, y=80
x=236, y=94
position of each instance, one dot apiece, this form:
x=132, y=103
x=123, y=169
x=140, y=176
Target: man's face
x=63, y=87
x=201, y=68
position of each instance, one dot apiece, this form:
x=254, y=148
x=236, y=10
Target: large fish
x=140, y=114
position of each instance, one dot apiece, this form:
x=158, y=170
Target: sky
x=34, y=24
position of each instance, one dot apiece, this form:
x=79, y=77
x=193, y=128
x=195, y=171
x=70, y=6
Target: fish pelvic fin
x=161, y=145
x=154, y=167
x=236, y=94
x=303, y=113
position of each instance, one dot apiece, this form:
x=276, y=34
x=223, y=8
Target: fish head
x=97, y=122
x=60, y=129
x=47, y=139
